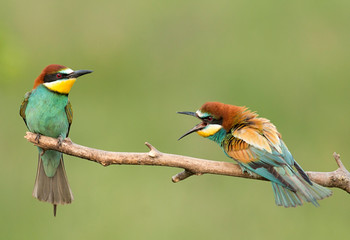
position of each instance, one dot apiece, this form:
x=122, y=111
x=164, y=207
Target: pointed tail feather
x=305, y=193
x=285, y=197
x=54, y=190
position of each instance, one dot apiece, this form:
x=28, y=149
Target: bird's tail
x=54, y=190
x=304, y=192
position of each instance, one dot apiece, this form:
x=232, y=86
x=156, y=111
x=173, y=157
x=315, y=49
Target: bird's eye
x=210, y=119
x=59, y=75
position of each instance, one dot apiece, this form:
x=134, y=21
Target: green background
x=287, y=60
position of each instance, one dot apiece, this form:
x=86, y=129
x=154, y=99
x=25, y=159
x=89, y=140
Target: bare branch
x=182, y=176
x=339, y=178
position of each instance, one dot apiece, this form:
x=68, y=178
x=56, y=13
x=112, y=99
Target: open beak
x=79, y=73
x=196, y=128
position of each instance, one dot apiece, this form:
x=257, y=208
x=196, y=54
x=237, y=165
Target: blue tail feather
x=305, y=193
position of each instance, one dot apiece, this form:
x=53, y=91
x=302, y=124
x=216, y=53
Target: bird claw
x=60, y=141
x=37, y=138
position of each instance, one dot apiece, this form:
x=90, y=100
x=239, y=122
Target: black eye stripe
x=217, y=121
x=53, y=77
x=212, y=120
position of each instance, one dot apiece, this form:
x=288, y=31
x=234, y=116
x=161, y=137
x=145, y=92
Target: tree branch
x=339, y=178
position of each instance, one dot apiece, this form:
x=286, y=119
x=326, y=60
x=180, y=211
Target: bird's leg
x=37, y=138
x=42, y=152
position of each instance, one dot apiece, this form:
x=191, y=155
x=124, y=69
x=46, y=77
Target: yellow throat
x=209, y=130
x=61, y=86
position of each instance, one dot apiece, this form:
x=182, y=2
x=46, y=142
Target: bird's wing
x=257, y=147
x=69, y=112
x=22, y=110
x=260, y=133
x=262, y=143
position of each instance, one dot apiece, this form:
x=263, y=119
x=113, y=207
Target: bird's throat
x=209, y=130
x=63, y=86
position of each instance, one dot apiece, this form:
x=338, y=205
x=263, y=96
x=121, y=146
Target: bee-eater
x=256, y=145
x=47, y=111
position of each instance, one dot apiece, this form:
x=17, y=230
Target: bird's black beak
x=189, y=113
x=196, y=128
x=79, y=73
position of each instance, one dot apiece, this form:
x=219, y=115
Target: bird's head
x=58, y=78
x=214, y=116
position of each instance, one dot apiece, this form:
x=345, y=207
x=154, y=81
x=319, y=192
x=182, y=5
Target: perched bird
x=256, y=145
x=47, y=111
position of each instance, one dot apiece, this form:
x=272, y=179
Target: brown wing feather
x=22, y=110
x=253, y=137
x=239, y=150
x=258, y=133
x=271, y=134
x=69, y=112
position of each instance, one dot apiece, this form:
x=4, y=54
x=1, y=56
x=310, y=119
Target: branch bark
x=339, y=178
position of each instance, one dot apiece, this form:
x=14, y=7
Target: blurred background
x=289, y=61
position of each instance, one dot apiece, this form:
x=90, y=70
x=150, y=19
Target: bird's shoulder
x=23, y=107
x=69, y=112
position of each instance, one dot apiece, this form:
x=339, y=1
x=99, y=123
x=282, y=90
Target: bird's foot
x=37, y=138
x=60, y=141
x=244, y=170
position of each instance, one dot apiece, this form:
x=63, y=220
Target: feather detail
x=271, y=134
x=238, y=149
x=304, y=191
x=22, y=110
x=245, y=156
x=69, y=112
x=252, y=137
x=54, y=190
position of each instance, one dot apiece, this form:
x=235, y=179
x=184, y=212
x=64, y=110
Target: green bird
x=47, y=111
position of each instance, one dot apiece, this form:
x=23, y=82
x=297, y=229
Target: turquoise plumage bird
x=256, y=145
x=47, y=111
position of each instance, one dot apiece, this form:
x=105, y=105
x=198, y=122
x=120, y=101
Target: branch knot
x=153, y=153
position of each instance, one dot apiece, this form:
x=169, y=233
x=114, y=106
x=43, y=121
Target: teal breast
x=45, y=113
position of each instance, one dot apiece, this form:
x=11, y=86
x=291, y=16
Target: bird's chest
x=46, y=114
